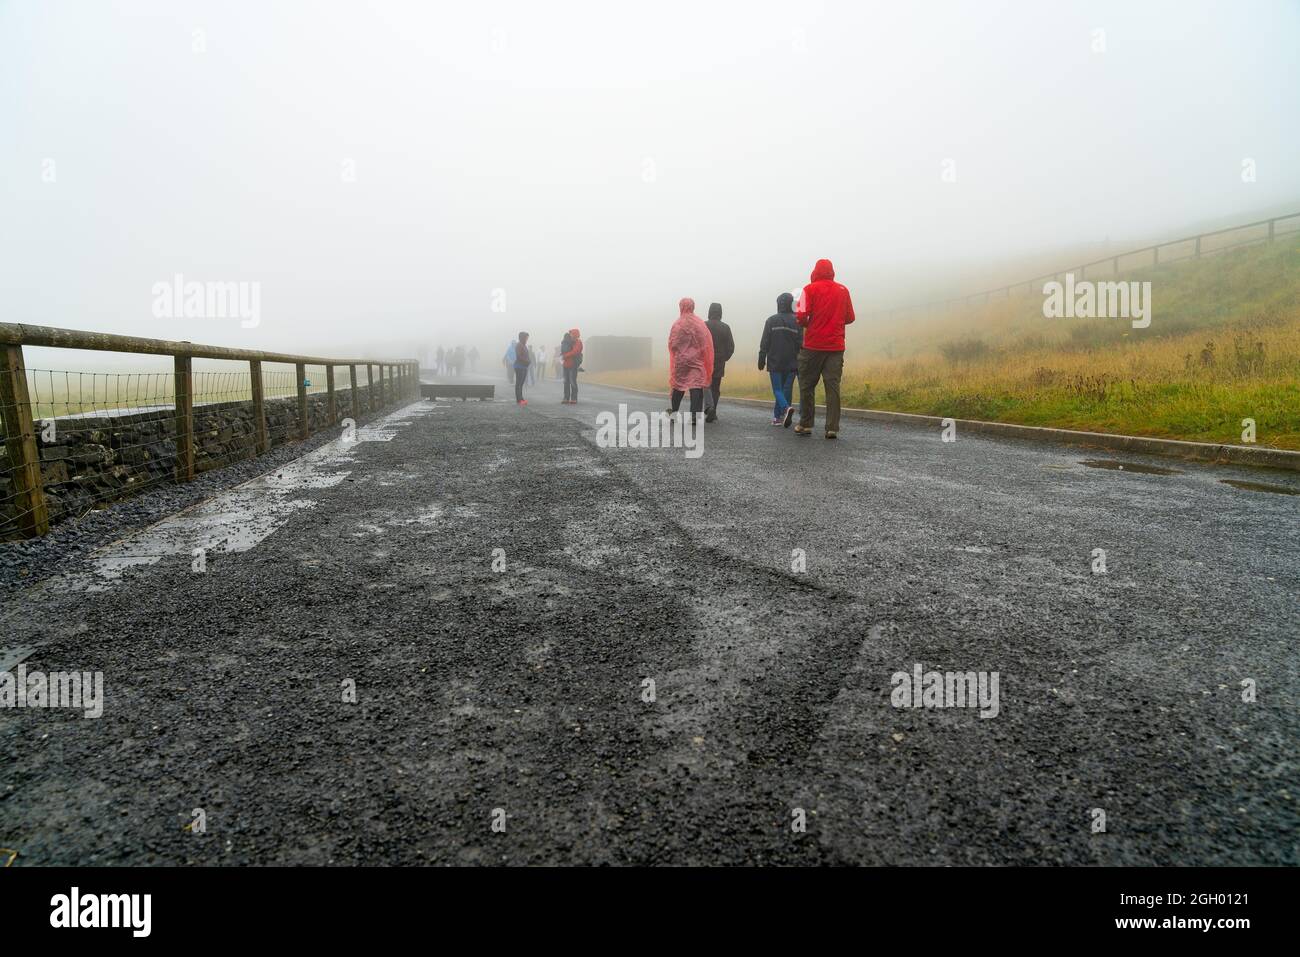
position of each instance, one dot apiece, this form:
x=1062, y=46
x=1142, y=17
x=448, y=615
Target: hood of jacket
x=823, y=270
x=573, y=334
x=785, y=302
x=686, y=305
x=715, y=310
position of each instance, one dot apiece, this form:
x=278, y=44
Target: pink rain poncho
x=690, y=350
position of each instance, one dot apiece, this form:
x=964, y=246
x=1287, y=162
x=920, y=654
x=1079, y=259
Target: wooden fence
x=399, y=378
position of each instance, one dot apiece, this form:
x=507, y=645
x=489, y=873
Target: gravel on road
x=562, y=653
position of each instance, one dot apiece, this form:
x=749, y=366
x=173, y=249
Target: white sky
x=506, y=146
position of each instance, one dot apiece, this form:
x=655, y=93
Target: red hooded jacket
x=824, y=310
x=571, y=357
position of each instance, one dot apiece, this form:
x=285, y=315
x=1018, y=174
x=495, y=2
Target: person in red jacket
x=572, y=358
x=824, y=310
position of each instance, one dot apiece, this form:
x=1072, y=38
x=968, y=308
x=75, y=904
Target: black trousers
x=571, y=383
x=521, y=374
x=715, y=390
x=697, y=400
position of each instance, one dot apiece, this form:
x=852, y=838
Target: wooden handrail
x=19, y=334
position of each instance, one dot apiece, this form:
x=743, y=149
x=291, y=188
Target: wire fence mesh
x=104, y=436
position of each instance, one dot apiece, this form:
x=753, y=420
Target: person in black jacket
x=723, y=347
x=779, y=352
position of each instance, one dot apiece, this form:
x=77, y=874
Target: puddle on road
x=1115, y=466
x=371, y=434
x=1128, y=467
x=10, y=658
x=221, y=527
x=238, y=519
x=1260, y=487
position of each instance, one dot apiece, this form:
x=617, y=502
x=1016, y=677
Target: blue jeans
x=783, y=389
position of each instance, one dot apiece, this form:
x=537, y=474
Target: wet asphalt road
x=520, y=690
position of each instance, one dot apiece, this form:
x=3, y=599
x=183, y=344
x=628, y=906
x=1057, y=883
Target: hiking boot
x=832, y=435
x=800, y=430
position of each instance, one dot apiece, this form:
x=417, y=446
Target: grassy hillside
x=1223, y=345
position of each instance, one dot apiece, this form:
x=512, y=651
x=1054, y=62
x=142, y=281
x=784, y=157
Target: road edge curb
x=1252, y=455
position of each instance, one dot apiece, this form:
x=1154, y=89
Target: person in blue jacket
x=523, y=359
x=778, y=351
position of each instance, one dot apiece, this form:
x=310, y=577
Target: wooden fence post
x=20, y=442
x=382, y=367
x=1270, y=229
x=1156, y=250
x=356, y=408
x=184, y=418
x=261, y=442
x=1198, y=247
x=304, y=429
x=333, y=403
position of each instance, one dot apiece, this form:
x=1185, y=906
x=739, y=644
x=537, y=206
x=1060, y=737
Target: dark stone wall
x=97, y=459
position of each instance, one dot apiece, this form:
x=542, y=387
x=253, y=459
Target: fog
x=395, y=176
